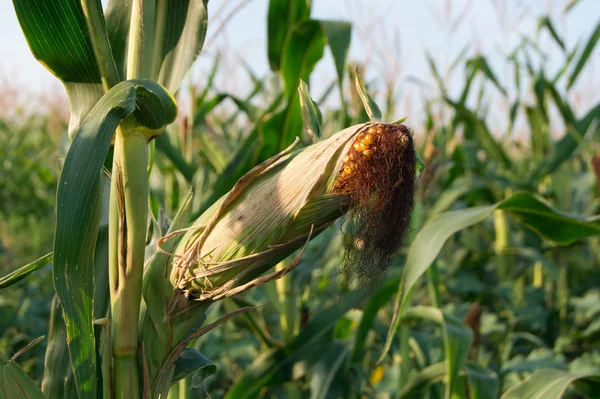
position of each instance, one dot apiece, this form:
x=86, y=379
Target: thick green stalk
x=127, y=236
x=173, y=392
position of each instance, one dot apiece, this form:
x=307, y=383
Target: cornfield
x=272, y=246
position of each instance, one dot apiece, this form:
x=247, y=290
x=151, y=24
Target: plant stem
x=405, y=355
x=433, y=283
x=288, y=304
x=127, y=236
x=502, y=242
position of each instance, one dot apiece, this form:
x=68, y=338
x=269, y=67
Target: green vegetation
x=494, y=293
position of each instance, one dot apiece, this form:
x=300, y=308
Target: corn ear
x=272, y=211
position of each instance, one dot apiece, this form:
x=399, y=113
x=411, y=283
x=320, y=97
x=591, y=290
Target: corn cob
x=366, y=171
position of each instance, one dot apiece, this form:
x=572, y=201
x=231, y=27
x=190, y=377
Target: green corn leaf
x=190, y=362
x=370, y=105
x=570, y=5
x=282, y=15
x=566, y=146
x=25, y=271
x=480, y=64
x=559, y=227
x=585, y=55
x=311, y=114
x=58, y=37
x=483, y=382
x=539, y=133
x=79, y=203
x=252, y=321
x=481, y=131
x=436, y=74
x=16, y=384
x=553, y=384
x=339, y=34
x=163, y=144
x=545, y=22
x=303, y=48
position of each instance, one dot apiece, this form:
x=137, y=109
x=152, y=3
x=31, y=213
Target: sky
x=391, y=36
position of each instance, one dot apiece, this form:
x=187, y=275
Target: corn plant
x=485, y=196
x=117, y=329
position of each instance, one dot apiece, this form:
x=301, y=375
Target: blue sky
x=391, y=35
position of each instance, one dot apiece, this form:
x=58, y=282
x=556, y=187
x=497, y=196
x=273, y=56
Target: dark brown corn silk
x=379, y=175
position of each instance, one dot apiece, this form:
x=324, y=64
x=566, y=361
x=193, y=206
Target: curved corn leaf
x=58, y=37
x=546, y=22
x=16, y=384
x=559, y=227
x=536, y=214
x=25, y=271
x=78, y=211
x=479, y=63
x=553, y=384
x=282, y=15
x=190, y=362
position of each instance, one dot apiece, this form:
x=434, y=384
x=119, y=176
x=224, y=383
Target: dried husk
x=271, y=212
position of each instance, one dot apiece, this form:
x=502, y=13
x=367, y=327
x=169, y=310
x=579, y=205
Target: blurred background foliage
x=497, y=304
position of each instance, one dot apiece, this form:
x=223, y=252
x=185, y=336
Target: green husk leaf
x=311, y=114
x=370, y=105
